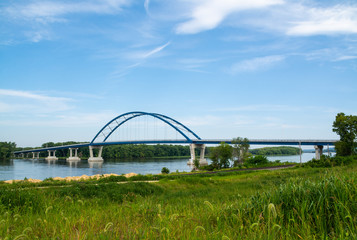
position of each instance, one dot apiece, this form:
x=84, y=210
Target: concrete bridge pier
x=318, y=151
x=203, y=161
x=51, y=155
x=35, y=155
x=75, y=157
x=92, y=158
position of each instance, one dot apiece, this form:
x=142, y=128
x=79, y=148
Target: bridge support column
x=51, y=155
x=91, y=155
x=318, y=151
x=203, y=161
x=75, y=157
x=22, y=155
x=35, y=155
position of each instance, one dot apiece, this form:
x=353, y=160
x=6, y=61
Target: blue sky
x=225, y=68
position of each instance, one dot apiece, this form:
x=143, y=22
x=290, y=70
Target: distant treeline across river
x=156, y=151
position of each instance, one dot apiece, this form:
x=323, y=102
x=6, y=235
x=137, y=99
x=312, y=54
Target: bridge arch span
x=118, y=121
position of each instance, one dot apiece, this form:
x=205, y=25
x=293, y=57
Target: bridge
x=187, y=136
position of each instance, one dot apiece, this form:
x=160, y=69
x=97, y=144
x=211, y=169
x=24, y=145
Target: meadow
x=295, y=203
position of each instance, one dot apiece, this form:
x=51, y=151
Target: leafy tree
x=346, y=127
x=221, y=155
x=6, y=149
x=214, y=156
x=165, y=170
x=240, y=150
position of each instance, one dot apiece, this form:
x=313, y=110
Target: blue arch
x=175, y=125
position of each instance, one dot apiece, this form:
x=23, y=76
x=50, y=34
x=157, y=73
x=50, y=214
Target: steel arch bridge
x=189, y=137
x=109, y=128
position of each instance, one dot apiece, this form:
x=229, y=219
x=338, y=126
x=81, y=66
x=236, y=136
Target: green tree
x=240, y=150
x=346, y=127
x=165, y=170
x=214, y=156
x=221, y=155
x=6, y=149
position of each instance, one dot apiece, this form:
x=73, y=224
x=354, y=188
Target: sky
x=262, y=69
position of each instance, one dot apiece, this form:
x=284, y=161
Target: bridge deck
x=290, y=142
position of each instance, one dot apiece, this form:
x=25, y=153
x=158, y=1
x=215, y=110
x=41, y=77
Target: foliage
x=257, y=160
x=266, y=151
x=6, y=149
x=124, y=151
x=346, y=127
x=326, y=161
x=165, y=170
x=221, y=155
x=240, y=150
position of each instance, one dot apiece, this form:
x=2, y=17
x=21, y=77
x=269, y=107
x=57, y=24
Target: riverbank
x=148, y=177
x=74, y=178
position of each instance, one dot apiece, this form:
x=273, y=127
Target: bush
x=326, y=161
x=207, y=168
x=165, y=170
x=257, y=160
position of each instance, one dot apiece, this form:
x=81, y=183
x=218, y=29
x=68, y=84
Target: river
x=42, y=169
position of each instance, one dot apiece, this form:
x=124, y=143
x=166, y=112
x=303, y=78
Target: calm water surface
x=41, y=169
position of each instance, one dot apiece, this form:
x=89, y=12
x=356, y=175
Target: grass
x=297, y=203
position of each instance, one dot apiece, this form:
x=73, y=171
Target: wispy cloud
x=146, y=6
x=346, y=57
x=255, y=64
x=156, y=50
x=15, y=100
x=53, y=11
x=24, y=94
x=289, y=18
x=260, y=107
x=137, y=58
x=209, y=14
x=334, y=20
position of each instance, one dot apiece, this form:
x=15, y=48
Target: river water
x=41, y=169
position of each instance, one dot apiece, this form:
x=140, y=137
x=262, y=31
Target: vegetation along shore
x=314, y=200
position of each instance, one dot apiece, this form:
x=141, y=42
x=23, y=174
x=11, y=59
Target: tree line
x=268, y=151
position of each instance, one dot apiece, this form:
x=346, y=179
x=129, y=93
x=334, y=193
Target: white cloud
x=145, y=54
x=208, y=14
x=261, y=107
x=146, y=6
x=51, y=11
x=256, y=64
x=325, y=21
x=24, y=101
x=156, y=50
x=346, y=57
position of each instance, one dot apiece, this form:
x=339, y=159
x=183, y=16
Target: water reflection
x=95, y=164
x=6, y=163
x=51, y=162
x=73, y=163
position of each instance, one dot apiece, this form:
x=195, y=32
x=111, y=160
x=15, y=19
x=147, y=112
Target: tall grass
x=286, y=204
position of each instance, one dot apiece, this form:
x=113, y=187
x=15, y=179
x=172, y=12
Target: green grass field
x=297, y=203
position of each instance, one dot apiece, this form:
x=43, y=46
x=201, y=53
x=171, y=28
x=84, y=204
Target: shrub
x=165, y=170
x=257, y=160
x=207, y=168
x=326, y=161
